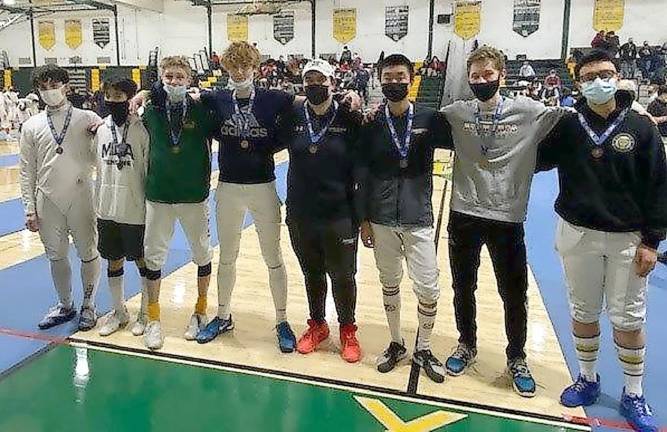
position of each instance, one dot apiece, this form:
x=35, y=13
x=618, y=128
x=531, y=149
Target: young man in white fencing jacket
x=121, y=147
x=613, y=213
x=57, y=191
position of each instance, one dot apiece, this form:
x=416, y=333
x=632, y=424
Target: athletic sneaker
x=196, y=324
x=87, y=318
x=522, y=380
x=216, y=327
x=310, y=340
x=462, y=359
x=392, y=356
x=638, y=413
x=58, y=314
x=139, y=327
x=153, y=338
x=581, y=393
x=431, y=365
x=114, y=321
x=349, y=344
x=286, y=338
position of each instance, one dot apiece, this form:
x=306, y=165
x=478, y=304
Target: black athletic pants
x=327, y=249
x=505, y=242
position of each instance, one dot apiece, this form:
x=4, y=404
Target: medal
x=240, y=117
x=120, y=148
x=59, y=138
x=484, y=150
x=597, y=152
x=484, y=164
x=598, y=140
x=176, y=136
x=315, y=138
x=403, y=147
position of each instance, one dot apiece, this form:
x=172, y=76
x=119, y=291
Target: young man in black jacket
x=613, y=209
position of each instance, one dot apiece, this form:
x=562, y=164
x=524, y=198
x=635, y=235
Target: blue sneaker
x=581, y=393
x=522, y=380
x=461, y=360
x=57, y=315
x=637, y=412
x=286, y=338
x=213, y=329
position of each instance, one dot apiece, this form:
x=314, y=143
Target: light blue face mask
x=175, y=93
x=599, y=91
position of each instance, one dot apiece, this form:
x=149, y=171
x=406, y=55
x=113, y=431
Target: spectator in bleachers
x=599, y=40
x=567, y=100
x=645, y=57
x=658, y=109
x=628, y=55
x=356, y=61
x=361, y=79
x=215, y=60
x=552, y=80
x=346, y=55
x=550, y=95
x=527, y=71
x=613, y=43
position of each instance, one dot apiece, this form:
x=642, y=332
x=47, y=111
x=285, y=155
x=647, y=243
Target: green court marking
x=78, y=389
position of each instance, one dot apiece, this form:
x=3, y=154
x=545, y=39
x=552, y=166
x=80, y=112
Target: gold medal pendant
x=176, y=149
x=404, y=163
x=597, y=152
x=312, y=148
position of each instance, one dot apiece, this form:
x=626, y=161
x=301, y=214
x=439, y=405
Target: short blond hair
x=487, y=53
x=176, y=61
x=240, y=54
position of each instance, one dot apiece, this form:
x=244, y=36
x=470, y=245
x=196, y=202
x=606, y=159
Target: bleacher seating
x=430, y=91
x=541, y=67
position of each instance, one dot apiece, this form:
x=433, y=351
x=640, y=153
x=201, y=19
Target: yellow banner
x=608, y=15
x=47, y=34
x=136, y=76
x=344, y=25
x=237, y=28
x=8, y=78
x=467, y=18
x=94, y=79
x=73, y=33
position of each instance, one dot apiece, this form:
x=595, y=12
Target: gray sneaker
x=87, y=318
x=114, y=321
x=431, y=365
x=153, y=338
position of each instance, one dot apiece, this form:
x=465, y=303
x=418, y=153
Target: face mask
x=395, y=92
x=317, y=94
x=175, y=93
x=485, y=91
x=119, y=111
x=599, y=92
x=241, y=85
x=54, y=97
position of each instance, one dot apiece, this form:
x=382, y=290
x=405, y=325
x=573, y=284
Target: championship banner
x=526, y=17
x=283, y=27
x=73, y=33
x=396, y=22
x=467, y=18
x=47, y=34
x=344, y=25
x=237, y=28
x=608, y=15
x=101, y=34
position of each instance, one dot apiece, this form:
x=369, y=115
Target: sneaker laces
x=350, y=338
x=580, y=384
x=87, y=313
x=430, y=358
x=395, y=349
x=640, y=406
x=462, y=353
x=284, y=330
x=519, y=369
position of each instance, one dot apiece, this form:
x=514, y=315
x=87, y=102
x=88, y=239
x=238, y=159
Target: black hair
x=398, y=60
x=121, y=84
x=49, y=72
x=662, y=90
x=594, y=56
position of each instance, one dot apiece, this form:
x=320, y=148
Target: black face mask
x=317, y=94
x=119, y=111
x=395, y=92
x=485, y=91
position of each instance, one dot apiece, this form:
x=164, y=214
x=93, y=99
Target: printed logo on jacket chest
x=624, y=143
x=121, y=155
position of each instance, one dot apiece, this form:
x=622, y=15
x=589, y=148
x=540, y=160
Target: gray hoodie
x=497, y=190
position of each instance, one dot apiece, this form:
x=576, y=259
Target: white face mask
x=599, y=91
x=241, y=85
x=53, y=98
x=175, y=93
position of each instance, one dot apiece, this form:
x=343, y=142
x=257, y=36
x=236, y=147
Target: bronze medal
x=312, y=148
x=597, y=152
x=245, y=144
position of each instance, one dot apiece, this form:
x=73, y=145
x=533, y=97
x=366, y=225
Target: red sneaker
x=316, y=333
x=350, y=349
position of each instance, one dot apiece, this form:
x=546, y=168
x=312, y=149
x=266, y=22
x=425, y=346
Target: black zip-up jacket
x=624, y=188
x=396, y=196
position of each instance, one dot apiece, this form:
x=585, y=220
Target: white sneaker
x=114, y=321
x=153, y=338
x=197, y=323
x=139, y=327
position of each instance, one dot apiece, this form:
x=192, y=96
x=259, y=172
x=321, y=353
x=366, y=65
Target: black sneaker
x=388, y=360
x=431, y=365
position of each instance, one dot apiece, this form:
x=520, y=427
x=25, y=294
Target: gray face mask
x=175, y=93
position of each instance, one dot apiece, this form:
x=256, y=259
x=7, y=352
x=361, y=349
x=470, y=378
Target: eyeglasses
x=603, y=75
